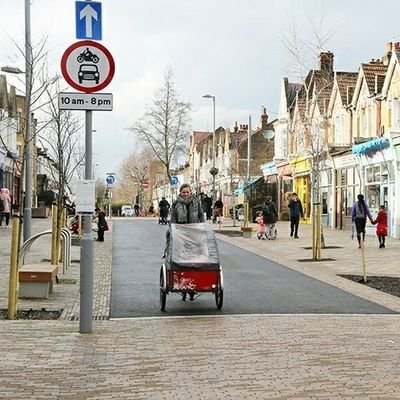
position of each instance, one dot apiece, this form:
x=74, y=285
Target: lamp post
x=213, y=170
x=27, y=221
x=28, y=125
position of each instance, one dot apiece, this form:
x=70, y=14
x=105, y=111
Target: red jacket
x=381, y=220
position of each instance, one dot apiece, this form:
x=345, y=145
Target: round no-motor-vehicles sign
x=110, y=179
x=87, y=66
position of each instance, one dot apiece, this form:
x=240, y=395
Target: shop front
x=346, y=180
x=377, y=164
x=2, y=165
x=285, y=188
x=270, y=172
x=302, y=183
x=325, y=189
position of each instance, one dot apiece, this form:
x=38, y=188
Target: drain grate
x=312, y=260
x=95, y=318
x=324, y=248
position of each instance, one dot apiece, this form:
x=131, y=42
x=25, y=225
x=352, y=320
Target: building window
x=159, y=178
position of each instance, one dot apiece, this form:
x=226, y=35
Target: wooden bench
x=36, y=280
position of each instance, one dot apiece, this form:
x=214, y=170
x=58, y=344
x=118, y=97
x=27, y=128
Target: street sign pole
x=86, y=270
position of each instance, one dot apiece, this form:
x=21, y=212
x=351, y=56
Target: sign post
x=88, y=67
x=110, y=184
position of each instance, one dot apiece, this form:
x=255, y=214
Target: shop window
x=377, y=173
x=348, y=198
x=373, y=196
x=324, y=203
x=370, y=174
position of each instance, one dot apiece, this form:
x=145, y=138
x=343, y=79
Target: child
x=261, y=233
x=382, y=227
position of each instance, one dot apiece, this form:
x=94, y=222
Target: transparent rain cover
x=192, y=246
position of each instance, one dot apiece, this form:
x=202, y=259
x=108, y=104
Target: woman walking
x=5, y=206
x=359, y=216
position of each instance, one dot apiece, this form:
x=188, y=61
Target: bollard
x=13, y=282
x=54, y=247
x=364, y=265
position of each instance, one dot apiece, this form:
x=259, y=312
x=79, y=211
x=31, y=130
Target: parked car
x=127, y=211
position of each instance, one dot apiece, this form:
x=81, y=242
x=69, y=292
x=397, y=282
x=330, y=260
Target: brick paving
x=223, y=357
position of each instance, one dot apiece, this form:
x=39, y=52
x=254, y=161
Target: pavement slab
x=222, y=357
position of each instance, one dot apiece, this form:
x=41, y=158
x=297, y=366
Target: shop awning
x=371, y=146
x=246, y=185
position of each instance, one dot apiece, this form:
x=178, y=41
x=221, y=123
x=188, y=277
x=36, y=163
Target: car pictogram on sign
x=88, y=72
x=87, y=66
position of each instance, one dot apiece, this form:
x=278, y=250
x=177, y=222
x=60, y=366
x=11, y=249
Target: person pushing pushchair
x=163, y=207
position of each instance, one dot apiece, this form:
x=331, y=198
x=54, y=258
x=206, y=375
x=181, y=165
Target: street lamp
x=213, y=170
x=11, y=70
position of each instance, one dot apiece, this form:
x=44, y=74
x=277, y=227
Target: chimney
x=326, y=61
x=235, y=129
x=388, y=53
x=264, y=118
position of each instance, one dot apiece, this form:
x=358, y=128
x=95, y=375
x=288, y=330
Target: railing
x=66, y=253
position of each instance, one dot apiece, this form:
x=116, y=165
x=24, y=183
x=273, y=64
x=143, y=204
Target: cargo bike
x=191, y=264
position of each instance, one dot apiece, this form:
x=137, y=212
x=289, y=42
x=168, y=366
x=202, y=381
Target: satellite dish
x=268, y=134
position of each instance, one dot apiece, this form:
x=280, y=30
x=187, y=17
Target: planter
x=247, y=232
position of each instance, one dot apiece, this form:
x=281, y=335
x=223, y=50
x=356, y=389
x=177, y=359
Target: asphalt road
x=252, y=284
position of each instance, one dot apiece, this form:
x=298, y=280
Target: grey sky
x=229, y=48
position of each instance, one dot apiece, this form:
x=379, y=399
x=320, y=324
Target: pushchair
x=191, y=263
x=271, y=232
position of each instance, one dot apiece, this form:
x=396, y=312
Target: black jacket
x=270, y=213
x=295, y=208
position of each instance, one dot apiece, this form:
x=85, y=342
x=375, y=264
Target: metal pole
x=248, y=150
x=109, y=203
x=13, y=281
x=213, y=161
x=86, y=272
x=247, y=210
x=27, y=221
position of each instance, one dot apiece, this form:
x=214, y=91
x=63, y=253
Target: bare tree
x=131, y=174
x=307, y=128
x=101, y=190
x=60, y=141
x=164, y=127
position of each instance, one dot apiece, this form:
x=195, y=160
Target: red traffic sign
x=145, y=183
x=87, y=66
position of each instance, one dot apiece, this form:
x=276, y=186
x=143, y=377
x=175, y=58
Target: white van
x=126, y=211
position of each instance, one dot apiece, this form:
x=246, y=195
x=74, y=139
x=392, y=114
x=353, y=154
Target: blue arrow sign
x=110, y=179
x=88, y=20
x=174, y=180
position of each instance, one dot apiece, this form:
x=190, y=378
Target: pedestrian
x=270, y=216
x=136, y=208
x=5, y=206
x=163, y=210
x=382, y=227
x=218, y=207
x=186, y=209
x=206, y=204
x=261, y=232
x=102, y=225
x=295, y=212
x=359, y=215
